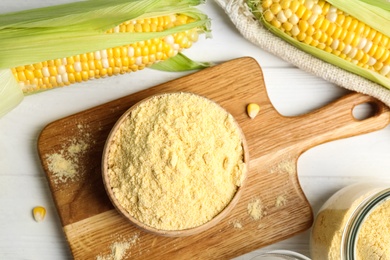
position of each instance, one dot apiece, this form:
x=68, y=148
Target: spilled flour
x=237, y=224
x=119, y=249
x=64, y=164
x=280, y=201
x=255, y=209
x=285, y=166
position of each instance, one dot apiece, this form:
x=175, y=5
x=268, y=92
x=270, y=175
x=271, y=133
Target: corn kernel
x=301, y=36
x=378, y=66
x=275, y=8
x=355, y=41
x=39, y=213
x=84, y=75
x=268, y=15
x=371, y=35
x=352, y=27
x=373, y=50
x=337, y=32
x=20, y=68
x=308, y=40
x=285, y=4
x=377, y=38
x=266, y=4
x=287, y=26
x=340, y=19
x=252, y=110
x=21, y=76
x=300, y=11
x=383, y=56
x=303, y=25
x=29, y=74
x=318, y=23
x=38, y=66
x=306, y=15
x=310, y=31
x=317, y=35
x=325, y=7
x=331, y=29
x=53, y=71
x=325, y=25
x=294, y=5
x=314, y=43
x=276, y=23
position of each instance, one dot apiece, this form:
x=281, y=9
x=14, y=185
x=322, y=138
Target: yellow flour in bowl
x=176, y=161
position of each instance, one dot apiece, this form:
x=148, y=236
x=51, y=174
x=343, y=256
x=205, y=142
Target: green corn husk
x=10, y=92
x=65, y=30
x=373, y=14
x=180, y=62
x=60, y=31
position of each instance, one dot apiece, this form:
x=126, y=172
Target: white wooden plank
x=21, y=237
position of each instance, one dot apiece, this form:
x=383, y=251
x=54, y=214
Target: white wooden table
x=322, y=170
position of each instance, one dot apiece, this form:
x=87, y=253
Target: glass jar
x=353, y=224
x=280, y=255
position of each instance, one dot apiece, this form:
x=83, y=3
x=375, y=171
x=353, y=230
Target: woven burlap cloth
x=252, y=30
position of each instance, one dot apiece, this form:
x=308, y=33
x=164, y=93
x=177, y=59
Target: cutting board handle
x=337, y=120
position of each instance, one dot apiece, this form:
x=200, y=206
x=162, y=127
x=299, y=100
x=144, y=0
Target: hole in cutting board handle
x=365, y=110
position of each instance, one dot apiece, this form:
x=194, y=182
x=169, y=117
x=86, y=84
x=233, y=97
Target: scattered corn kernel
x=39, y=213
x=252, y=110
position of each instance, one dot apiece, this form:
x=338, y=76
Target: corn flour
x=373, y=238
x=176, y=161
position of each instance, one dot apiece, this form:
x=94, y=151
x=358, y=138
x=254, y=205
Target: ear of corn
x=117, y=60
x=60, y=45
x=331, y=34
x=35, y=35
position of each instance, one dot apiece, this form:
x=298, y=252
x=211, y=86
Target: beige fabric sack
x=253, y=31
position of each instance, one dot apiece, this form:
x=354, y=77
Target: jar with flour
x=354, y=224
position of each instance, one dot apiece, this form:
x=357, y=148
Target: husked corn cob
x=112, y=61
x=58, y=45
x=319, y=24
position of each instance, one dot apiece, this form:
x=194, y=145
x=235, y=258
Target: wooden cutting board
x=279, y=208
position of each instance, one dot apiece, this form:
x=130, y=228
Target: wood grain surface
x=93, y=227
